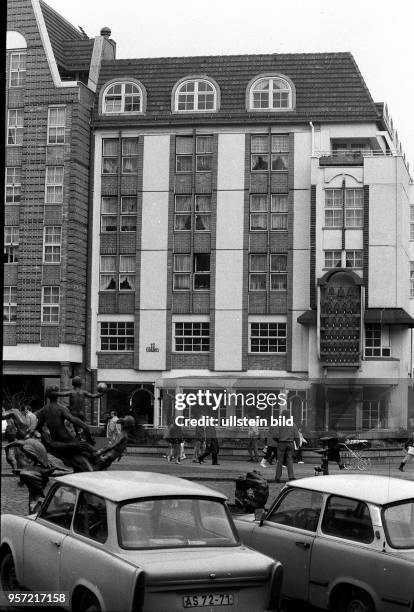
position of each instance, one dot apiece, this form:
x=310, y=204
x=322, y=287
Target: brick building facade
x=243, y=227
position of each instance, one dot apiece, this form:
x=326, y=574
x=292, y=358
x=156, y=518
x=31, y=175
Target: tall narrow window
x=108, y=274
x=129, y=155
x=11, y=244
x=278, y=272
x=182, y=273
x=202, y=213
x=182, y=217
x=184, y=148
x=258, y=212
x=13, y=185
x=257, y=272
x=279, y=212
x=333, y=208
x=128, y=214
x=9, y=304
x=56, y=125
x=110, y=154
x=126, y=272
x=354, y=207
x=204, y=150
x=201, y=271
x=52, y=244
x=50, y=304
x=17, y=69
x=54, y=184
x=15, y=126
x=109, y=214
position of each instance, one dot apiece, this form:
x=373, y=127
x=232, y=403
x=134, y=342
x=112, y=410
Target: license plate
x=207, y=599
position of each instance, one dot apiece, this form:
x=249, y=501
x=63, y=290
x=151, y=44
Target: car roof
x=378, y=490
x=118, y=485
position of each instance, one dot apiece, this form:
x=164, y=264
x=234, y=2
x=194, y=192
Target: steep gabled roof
x=70, y=47
x=329, y=86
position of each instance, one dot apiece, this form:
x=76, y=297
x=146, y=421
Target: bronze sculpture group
x=57, y=431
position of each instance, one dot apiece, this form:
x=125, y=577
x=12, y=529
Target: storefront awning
x=228, y=382
x=389, y=316
x=307, y=318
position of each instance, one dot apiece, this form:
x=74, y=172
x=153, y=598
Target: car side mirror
x=259, y=515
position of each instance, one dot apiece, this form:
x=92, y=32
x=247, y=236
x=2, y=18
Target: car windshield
x=174, y=523
x=399, y=524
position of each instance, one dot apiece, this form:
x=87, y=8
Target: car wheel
x=88, y=603
x=8, y=574
x=354, y=600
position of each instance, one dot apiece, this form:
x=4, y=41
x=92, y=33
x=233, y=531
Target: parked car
x=139, y=541
x=346, y=542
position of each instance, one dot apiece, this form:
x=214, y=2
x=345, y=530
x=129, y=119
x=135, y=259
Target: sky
x=378, y=33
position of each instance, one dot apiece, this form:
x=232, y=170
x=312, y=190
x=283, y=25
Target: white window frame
x=15, y=124
x=334, y=212
x=56, y=126
x=10, y=304
x=13, y=185
x=333, y=258
x=262, y=272
x=382, y=333
x=54, y=184
x=51, y=305
x=354, y=208
x=11, y=243
x=279, y=272
x=138, y=94
x=52, y=244
x=127, y=272
x=20, y=70
x=124, y=336
x=200, y=274
x=107, y=274
x=354, y=256
x=109, y=215
x=280, y=337
x=412, y=222
x=197, y=95
x=272, y=95
x=125, y=214
x=179, y=273
x=197, y=340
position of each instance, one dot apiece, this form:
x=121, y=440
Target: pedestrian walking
x=253, y=439
x=212, y=446
x=271, y=450
x=286, y=436
x=174, y=438
x=199, y=442
x=113, y=428
x=409, y=446
x=302, y=441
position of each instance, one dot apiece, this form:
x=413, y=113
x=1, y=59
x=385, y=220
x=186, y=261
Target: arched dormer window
x=123, y=97
x=270, y=92
x=197, y=94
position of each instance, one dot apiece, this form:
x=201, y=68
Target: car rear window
x=347, y=518
x=398, y=521
x=172, y=523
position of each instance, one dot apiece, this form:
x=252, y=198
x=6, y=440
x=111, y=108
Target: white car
x=346, y=542
x=138, y=541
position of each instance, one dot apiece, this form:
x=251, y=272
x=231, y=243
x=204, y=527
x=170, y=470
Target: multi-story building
x=243, y=227
x=52, y=70
x=250, y=235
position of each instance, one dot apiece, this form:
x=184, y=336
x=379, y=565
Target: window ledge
x=381, y=359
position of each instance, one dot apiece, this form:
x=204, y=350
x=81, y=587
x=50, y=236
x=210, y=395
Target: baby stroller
x=353, y=460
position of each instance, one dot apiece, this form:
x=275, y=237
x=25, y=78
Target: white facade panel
x=230, y=172
x=152, y=339
x=154, y=221
x=301, y=160
x=156, y=162
x=229, y=286
x=230, y=219
x=228, y=340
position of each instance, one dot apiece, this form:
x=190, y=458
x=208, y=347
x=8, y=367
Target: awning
x=232, y=382
x=389, y=316
x=307, y=318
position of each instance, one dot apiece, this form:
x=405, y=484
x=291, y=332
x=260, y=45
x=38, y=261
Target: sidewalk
x=221, y=477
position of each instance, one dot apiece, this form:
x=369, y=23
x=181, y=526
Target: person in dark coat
x=212, y=446
x=286, y=436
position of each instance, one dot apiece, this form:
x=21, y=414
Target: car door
x=43, y=539
x=287, y=534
